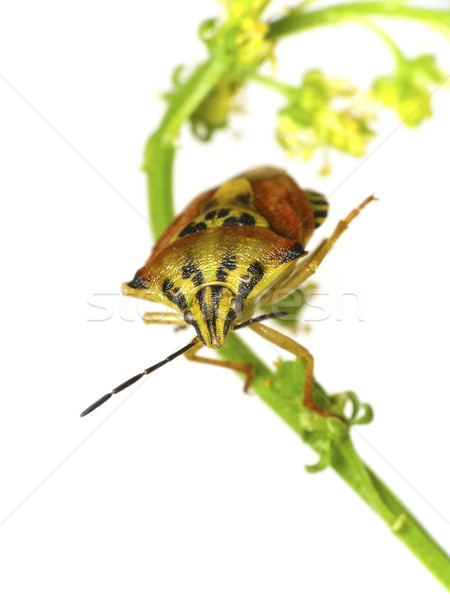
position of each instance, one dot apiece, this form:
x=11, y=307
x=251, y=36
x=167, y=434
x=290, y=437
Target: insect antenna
x=274, y=315
x=132, y=380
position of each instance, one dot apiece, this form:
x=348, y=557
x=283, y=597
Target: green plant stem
x=297, y=21
x=286, y=90
x=160, y=150
x=347, y=464
x=398, y=54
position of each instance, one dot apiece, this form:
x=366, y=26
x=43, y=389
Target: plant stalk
x=297, y=21
x=159, y=153
x=347, y=464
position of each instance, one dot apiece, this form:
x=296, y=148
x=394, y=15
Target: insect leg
x=163, y=318
x=299, y=351
x=246, y=368
x=310, y=264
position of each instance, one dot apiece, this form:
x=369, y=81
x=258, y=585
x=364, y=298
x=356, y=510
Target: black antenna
x=274, y=315
x=132, y=380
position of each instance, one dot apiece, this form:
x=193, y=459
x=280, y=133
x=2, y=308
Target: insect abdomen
x=319, y=206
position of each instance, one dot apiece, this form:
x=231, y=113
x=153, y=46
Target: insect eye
x=188, y=317
x=237, y=305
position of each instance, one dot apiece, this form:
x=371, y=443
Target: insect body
x=233, y=248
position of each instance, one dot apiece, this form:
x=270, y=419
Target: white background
x=191, y=489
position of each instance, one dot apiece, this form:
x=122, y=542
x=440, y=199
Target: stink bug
x=232, y=248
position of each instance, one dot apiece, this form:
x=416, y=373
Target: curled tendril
x=324, y=451
x=322, y=432
x=361, y=413
x=208, y=29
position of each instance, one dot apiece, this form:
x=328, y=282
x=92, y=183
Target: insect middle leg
x=163, y=318
x=299, y=351
x=246, y=368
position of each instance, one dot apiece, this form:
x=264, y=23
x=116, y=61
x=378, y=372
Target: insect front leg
x=246, y=368
x=299, y=351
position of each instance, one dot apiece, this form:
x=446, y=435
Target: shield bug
x=233, y=248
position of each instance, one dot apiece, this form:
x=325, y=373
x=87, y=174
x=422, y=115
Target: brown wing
x=287, y=208
x=192, y=210
x=276, y=196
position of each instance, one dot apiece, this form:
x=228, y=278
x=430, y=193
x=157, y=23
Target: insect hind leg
x=287, y=343
x=311, y=263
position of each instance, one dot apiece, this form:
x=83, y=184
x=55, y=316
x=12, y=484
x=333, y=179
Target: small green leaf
x=212, y=113
x=289, y=381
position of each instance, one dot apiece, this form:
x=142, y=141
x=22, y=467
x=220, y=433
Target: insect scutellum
x=234, y=247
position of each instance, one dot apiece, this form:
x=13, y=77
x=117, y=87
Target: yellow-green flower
x=323, y=112
x=409, y=89
x=242, y=37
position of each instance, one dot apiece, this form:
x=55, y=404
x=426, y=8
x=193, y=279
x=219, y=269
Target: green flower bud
x=323, y=112
x=409, y=89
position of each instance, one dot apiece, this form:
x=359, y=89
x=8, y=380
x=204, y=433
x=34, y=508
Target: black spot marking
x=189, y=270
x=247, y=219
x=210, y=215
x=243, y=198
x=229, y=262
x=320, y=215
x=198, y=279
x=192, y=228
x=231, y=222
x=177, y=298
x=247, y=284
x=244, y=219
x=223, y=212
x=316, y=197
x=182, y=304
x=138, y=283
x=319, y=205
x=293, y=252
x=256, y=268
x=221, y=274
x=209, y=205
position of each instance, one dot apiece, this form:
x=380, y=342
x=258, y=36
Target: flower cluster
x=409, y=89
x=324, y=112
